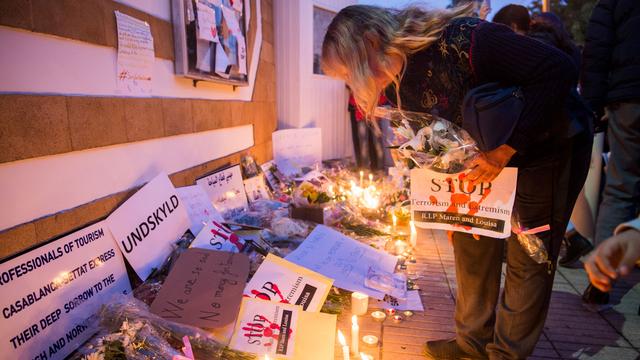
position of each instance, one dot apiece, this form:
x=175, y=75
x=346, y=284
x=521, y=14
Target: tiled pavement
x=570, y=332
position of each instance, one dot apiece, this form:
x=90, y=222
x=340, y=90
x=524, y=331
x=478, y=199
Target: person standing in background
x=514, y=16
x=611, y=84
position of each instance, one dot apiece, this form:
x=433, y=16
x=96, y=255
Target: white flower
x=130, y=329
x=95, y=356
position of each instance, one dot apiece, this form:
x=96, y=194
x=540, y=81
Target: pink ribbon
x=187, y=350
x=525, y=231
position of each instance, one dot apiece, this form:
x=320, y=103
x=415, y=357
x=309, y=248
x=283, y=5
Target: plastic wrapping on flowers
x=428, y=141
x=128, y=330
x=530, y=241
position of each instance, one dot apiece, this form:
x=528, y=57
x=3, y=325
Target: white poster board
x=147, y=225
x=215, y=236
x=225, y=189
x=448, y=202
x=339, y=257
x=294, y=149
x=198, y=207
x=47, y=294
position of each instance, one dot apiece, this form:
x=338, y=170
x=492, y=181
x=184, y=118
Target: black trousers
x=508, y=327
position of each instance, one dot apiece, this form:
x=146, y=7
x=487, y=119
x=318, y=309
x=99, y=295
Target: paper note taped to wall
x=294, y=149
x=135, y=56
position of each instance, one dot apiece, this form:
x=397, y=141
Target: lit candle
x=370, y=179
x=397, y=319
x=364, y=356
x=359, y=303
x=378, y=316
x=343, y=343
x=370, y=340
x=355, y=334
x=266, y=357
x=407, y=313
x=394, y=219
x=400, y=246
x=413, y=239
x=361, y=178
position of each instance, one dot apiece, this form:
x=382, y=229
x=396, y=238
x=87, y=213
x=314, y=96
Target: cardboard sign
x=341, y=258
x=48, y=293
x=203, y=289
x=215, y=236
x=294, y=149
x=146, y=226
x=198, y=207
x=285, y=282
x=448, y=202
x=225, y=189
x=283, y=331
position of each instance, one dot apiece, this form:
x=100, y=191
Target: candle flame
x=364, y=356
x=341, y=339
x=354, y=320
x=266, y=357
x=395, y=219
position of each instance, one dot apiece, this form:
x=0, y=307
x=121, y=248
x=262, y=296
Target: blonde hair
x=398, y=32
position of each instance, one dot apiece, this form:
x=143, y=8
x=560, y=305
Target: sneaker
x=595, y=300
x=577, y=247
x=446, y=350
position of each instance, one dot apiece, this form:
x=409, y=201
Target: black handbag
x=490, y=113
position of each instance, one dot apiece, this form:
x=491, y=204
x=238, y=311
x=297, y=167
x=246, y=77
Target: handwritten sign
x=283, y=331
x=203, y=289
x=341, y=258
x=294, y=149
x=448, y=202
x=225, y=189
x=215, y=236
x=282, y=281
x=207, y=26
x=48, y=293
x=135, y=55
x=198, y=207
x=146, y=226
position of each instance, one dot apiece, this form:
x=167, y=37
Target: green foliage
x=574, y=13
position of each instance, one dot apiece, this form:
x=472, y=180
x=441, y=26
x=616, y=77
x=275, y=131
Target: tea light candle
x=407, y=313
x=343, y=343
x=364, y=356
x=401, y=246
x=370, y=340
x=355, y=334
x=361, y=178
x=397, y=319
x=390, y=311
x=378, y=316
x=394, y=220
x=359, y=303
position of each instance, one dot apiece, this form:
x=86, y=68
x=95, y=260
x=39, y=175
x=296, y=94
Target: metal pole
x=545, y=6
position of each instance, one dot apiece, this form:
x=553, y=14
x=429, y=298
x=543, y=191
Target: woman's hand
x=486, y=166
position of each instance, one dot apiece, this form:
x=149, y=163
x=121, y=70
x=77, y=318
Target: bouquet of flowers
x=431, y=142
x=130, y=331
x=309, y=194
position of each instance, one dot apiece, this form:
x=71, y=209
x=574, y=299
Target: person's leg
x=621, y=195
x=542, y=198
x=478, y=272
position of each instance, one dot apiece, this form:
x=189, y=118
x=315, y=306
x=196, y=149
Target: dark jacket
x=471, y=52
x=611, y=64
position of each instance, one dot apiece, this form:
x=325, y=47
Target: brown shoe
x=446, y=350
